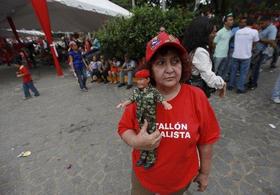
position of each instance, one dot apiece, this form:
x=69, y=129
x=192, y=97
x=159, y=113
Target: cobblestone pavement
x=76, y=150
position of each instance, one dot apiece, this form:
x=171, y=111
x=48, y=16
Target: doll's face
x=143, y=82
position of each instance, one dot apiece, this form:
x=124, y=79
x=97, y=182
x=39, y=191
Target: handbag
x=199, y=82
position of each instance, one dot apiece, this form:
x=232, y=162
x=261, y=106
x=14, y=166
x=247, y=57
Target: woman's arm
x=202, y=62
x=205, y=155
x=71, y=61
x=142, y=140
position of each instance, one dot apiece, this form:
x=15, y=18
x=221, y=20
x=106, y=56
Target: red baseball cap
x=161, y=40
x=142, y=73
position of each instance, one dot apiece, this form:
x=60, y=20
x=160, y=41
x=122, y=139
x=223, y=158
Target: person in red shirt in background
x=184, y=136
x=27, y=82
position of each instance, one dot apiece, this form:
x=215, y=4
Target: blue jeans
x=226, y=71
x=82, y=77
x=261, y=58
x=129, y=75
x=243, y=65
x=276, y=89
x=29, y=86
x=220, y=65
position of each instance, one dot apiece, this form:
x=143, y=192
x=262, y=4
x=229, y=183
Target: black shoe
x=129, y=86
x=240, y=91
x=230, y=88
x=121, y=85
x=148, y=165
x=252, y=87
x=105, y=82
x=272, y=66
x=140, y=162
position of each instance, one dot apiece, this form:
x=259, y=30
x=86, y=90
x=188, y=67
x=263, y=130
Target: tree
x=130, y=35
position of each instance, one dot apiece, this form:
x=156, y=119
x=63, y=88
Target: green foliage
x=130, y=35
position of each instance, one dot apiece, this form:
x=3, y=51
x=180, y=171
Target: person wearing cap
x=77, y=62
x=27, y=82
x=146, y=97
x=184, y=135
x=221, y=42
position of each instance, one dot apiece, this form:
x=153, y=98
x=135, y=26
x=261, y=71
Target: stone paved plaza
x=76, y=150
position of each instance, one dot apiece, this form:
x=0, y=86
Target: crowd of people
x=240, y=51
x=100, y=69
x=230, y=57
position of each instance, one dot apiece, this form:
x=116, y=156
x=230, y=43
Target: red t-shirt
x=189, y=123
x=27, y=78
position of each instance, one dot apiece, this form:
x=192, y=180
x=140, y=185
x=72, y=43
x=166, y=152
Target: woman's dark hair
x=184, y=57
x=197, y=33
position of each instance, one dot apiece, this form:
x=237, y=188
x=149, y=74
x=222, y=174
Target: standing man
x=221, y=43
x=276, y=91
x=127, y=69
x=241, y=24
x=267, y=36
x=241, y=57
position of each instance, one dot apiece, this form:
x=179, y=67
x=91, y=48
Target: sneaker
x=272, y=66
x=129, y=86
x=121, y=85
x=276, y=100
x=27, y=98
x=37, y=95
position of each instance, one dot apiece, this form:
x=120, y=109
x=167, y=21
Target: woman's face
x=212, y=35
x=167, y=69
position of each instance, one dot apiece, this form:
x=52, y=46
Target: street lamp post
x=133, y=3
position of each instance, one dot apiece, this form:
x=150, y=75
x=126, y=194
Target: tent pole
x=41, y=9
x=13, y=27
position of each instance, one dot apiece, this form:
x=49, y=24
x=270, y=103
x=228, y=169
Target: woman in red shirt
x=185, y=135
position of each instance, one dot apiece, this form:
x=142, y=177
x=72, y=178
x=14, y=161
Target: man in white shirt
x=241, y=57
